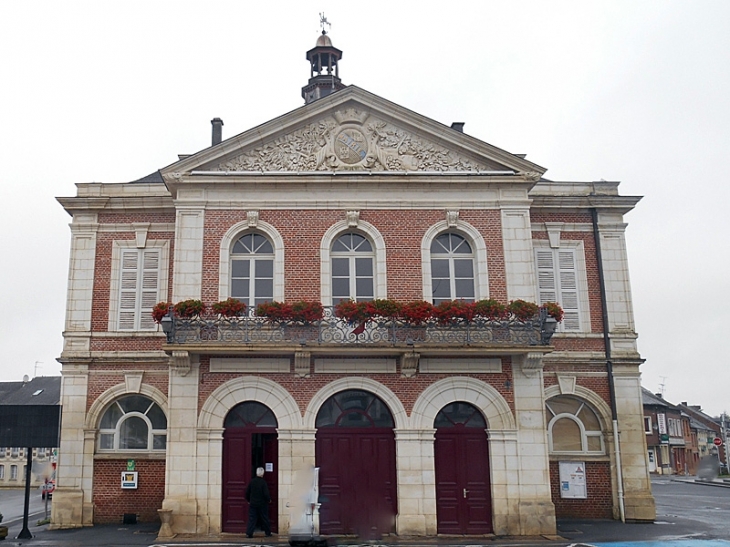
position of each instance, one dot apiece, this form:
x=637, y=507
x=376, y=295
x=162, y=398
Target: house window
x=647, y=425
x=133, y=422
x=252, y=269
x=14, y=452
x=353, y=268
x=452, y=268
x=561, y=279
x=573, y=427
x=138, y=282
x=2, y=472
x=13, y=472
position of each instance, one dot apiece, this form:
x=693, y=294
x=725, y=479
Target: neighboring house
x=418, y=427
x=665, y=435
x=706, y=437
x=41, y=390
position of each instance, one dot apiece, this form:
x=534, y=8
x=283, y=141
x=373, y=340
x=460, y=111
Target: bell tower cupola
x=324, y=78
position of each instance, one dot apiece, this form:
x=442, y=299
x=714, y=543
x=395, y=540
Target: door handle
x=465, y=492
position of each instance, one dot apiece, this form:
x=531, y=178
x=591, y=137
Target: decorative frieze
x=351, y=139
x=302, y=362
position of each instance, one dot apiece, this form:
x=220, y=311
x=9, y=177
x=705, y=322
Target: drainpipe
x=609, y=367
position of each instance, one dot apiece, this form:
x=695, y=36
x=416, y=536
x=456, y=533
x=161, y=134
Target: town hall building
x=443, y=333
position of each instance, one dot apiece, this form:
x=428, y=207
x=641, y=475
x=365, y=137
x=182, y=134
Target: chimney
x=217, y=130
x=458, y=126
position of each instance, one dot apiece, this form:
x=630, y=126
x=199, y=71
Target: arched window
x=354, y=408
x=460, y=414
x=452, y=268
x=133, y=422
x=353, y=268
x=252, y=269
x=250, y=414
x=573, y=427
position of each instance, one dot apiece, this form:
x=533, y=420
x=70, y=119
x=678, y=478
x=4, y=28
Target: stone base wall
x=599, y=504
x=111, y=502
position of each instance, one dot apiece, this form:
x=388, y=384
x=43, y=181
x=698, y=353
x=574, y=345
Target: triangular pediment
x=356, y=131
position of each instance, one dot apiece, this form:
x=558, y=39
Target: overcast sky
x=619, y=90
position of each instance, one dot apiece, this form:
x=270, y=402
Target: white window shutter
x=149, y=288
x=546, y=282
x=557, y=281
x=128, y=290
x=139, y=284
x=568, y=297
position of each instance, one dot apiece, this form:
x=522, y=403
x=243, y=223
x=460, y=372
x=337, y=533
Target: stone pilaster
x=519, y=263
x=188, y=261
x=209, y=480
x=638, y=500
x=296, y=461
x=72, y=500
x=181, y=461
x=416, y=471
x=535, y=506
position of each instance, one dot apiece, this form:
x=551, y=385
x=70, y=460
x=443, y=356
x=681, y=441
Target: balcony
x=332, y=332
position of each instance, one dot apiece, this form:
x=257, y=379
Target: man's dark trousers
x=258, y=514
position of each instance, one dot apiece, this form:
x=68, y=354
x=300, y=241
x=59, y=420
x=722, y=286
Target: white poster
x=573, y=480
x=661, y=420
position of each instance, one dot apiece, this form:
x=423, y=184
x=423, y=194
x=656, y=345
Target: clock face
x=351, y=146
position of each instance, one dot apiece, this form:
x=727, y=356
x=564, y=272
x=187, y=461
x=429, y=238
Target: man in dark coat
x=258, y=498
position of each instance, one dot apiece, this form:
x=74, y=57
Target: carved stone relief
x=350, y=139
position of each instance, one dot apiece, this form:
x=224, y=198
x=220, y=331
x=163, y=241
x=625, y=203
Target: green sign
x=665, y=438
x=130, y=465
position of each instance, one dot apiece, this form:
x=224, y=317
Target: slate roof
x=48, y=389
x=152, y=177
x=648, y=398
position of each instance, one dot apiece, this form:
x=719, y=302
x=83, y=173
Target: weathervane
x=323, y=21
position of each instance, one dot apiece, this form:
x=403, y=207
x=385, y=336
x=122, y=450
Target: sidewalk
x=723, y=482
x=145, y=534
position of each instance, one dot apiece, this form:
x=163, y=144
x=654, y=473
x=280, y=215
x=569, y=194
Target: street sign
x=717, y=441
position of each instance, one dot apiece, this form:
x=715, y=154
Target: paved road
x=12, y=502
x=688, y=515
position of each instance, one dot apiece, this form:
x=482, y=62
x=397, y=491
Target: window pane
x=441, y=289
x=459, y=245
x=159, y=442
x=261, y=245
x=240, y=268
x=111, y=417
x=341, y=288
x=157, y=417
x=135, y=403
x=364, y=288
x=106, y=441
x=463, y=268
x=464, y=289
x=239, y=288
x=594, y=443
x=264, y=288
x=340, y=267
x=133, y=434
x=441, y=244
x=340, y=245
x=589, y=419
x=566, y=436
x=364, y=266
x=264, y=268
x=440, y=268
x=563, y=405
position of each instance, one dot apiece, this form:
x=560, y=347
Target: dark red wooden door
x=245, y=449
x=357, y=481
x=236, y=474
x=463, y=491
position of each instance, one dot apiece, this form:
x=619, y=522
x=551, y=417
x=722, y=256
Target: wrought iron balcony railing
x=333, y=331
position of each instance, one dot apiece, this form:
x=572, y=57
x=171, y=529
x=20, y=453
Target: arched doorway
x=249, y=441
x=463, y=489
x=355, y=453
